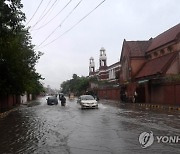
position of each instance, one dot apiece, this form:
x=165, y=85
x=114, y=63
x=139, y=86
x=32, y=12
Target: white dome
x=102, y=49
x=102, y=54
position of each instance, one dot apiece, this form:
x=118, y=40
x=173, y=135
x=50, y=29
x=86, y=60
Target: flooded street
x=111, y=129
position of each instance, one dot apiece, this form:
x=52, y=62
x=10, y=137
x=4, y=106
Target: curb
x=4, y=114
x=160, y=106
x=152, y=106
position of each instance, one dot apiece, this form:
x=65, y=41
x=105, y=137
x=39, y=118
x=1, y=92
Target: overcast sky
x=107, y=26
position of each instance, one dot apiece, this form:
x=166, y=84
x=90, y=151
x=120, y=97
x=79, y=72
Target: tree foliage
x=17, y=55
x=77, y=85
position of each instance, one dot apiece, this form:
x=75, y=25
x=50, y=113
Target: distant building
x=91, y=67
x=106, y=73
x=107, y=86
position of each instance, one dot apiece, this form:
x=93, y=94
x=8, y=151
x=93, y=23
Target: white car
x=87, y=101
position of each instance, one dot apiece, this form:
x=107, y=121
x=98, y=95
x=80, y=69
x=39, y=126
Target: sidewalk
x=144, y=105
x=160, y=106
x=6, y=113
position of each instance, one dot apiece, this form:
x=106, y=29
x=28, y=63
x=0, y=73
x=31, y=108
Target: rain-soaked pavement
x=111, y=129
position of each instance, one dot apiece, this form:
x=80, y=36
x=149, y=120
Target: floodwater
x=111, y=129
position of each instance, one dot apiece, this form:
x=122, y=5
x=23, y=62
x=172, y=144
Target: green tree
x=17, y=55
x=77, y=85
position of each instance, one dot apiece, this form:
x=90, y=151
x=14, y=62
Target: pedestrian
x=126, y=97
x=135, y=97
x=63, y=100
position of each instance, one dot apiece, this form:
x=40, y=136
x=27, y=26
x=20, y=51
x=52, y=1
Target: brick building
x=104, y=73
x=107, y=76
x=151, y=68
x=148, y=66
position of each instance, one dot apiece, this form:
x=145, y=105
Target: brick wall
x=8, y=101
x=109, y=93
x=161, y=94
x=166, y=94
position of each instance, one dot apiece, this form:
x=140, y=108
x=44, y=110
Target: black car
x=52, y=100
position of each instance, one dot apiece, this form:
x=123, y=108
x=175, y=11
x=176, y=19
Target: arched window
x=162, y=52
x=169, y=49
x=155, y=53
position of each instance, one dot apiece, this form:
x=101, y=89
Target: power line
x=50, y=12
x=74, y=25
x=44, y=10
x=34, y=12
x=44, y=15
x=54, y=16
x=71, y=12
x=60, y=23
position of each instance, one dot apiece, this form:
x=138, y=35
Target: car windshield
x=87, y=97
x=51, y=98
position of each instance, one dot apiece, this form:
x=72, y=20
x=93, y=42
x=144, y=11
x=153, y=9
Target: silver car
x=87, y=101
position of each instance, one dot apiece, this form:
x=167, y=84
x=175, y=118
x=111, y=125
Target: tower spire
x=91, y=66
x=102, y=59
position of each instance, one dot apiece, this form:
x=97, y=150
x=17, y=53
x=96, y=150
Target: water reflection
x=55, y=129
x=17, y=131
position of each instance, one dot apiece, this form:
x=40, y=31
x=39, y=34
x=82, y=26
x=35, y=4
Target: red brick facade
x=8, y=101
x=109, y=93
x=147, y=64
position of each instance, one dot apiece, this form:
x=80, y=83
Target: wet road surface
x=111, y=129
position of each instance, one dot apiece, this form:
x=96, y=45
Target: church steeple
x=91, y=66
x=102, y=59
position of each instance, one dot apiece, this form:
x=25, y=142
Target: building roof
x=156, y=66
x=138, y=48
x=117, y=64
x=165, y=37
